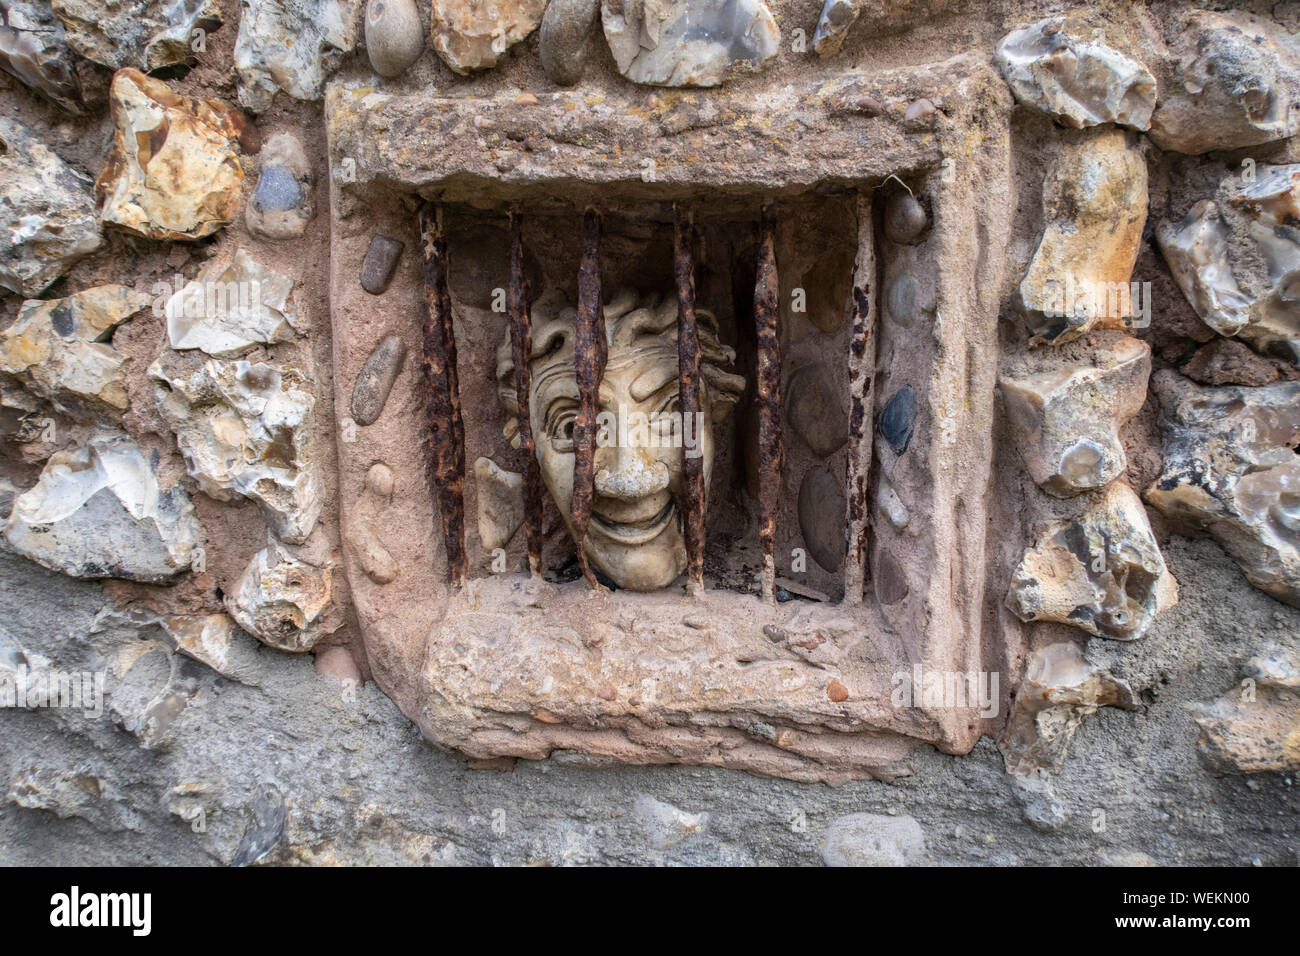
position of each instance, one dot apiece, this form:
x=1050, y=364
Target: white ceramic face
x=635, y=535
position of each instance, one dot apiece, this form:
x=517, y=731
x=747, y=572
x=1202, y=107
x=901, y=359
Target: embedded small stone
x=34, y=48
x=1094, y=207
x=379, y=480
x=887, y=500
x=291, y=46
x=821, y=517
x=380, y=263
x=1196, y=250
x=815, y=409
x=54, y=347
x=145, y=34
x=375, y=561
x=870, y=839
x=233, y=305
x=1231, y=470
x=898, y=419
x=666, y=825
x=217, y=641
x=1066, y=421
x=901, y=300
x=688, y=42
x=99, y=511
x=1236, y=84
x=565, y=39
x=48, y=221
x=469, y=35
x=285, y=602
x=375, y=381
x=394, y=36
x=1229, y=362
x=1079, y=82
x=833, y=26
x=918, y=110
x=1101, y=572
x=174, y=171
x=1259, y=733
x=905, y=218
x=500, y=503
x=889, y=578
x=836, y=691
x=281, y=206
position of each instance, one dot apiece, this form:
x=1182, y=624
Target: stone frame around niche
x=513, y=667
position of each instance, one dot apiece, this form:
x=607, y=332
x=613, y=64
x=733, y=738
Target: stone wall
x=1058, y=242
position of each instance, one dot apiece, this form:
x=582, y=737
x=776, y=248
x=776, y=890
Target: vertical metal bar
x=767, y=293
x=446, y=428
x=590, y=353
x=862, y=361
x=688, y=365
x=521, y=345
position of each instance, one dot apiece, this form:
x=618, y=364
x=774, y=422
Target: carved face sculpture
x=635, y=534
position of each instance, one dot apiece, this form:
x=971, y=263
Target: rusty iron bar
x=767, y=295
x=521, y=345
x=688, y=365
x=438, y=362
x=591, y=350
x=862, y=360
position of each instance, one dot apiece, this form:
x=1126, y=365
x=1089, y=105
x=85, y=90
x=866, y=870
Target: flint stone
x=174, y=170
x=394, y=36
x=291, y=46
x=34, y=48
x=47, y=213
x=1101, y=572
x=838, y=16
x=1078, y=82
x=145, y=34
x=1196, y=250
x=565, y=40
x=380, y=263
x=1235, y=85
x=898, y=419
x=871, y=839
x=217, y=641
x=375, y=380
x=1258, y=735
x=695, y=43
x=281, y=205
x=1231, y=471
x=233, y=305
x=57, y=348
x=1229, y=362
x=285, y=602
x=470, y=35
x=99, y=512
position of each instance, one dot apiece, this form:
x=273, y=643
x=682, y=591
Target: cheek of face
x=556, y=465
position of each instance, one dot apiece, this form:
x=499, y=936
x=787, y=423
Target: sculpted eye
x=559, y=427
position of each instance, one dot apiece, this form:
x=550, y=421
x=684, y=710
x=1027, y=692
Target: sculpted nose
x=629, y=474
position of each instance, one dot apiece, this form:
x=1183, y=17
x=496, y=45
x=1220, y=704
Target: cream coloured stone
x=291, y=46
x=367, y=517
x=469, y=35
x=99, y=511
x=285, y=602
x=56, y=347
x=1196, y=249
x=1101, y=572
x=217, y=641
x=174, y=170
x=234, y=304
x=1255, y=726
x=500, y=503
x=245, y=429
x=394, y=36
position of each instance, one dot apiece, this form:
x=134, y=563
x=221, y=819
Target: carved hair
x=629, y=318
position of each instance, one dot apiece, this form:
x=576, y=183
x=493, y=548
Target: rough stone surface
x=244, y=429
x=1067, y=420
x=99, y=511
x=174, y=170
x=837, y=18
x=1227, y=362
x=1094, y=206
x=869, y=839
x=394, y=36
x=34, y=48
x=291, y=46
x=1255, y=727
x=145, y=34
x=1234, y=86
x=233, y=305
x=679, y=43
x=1231, y=470
x=47, y=213
x=282, y=205
x=57, y=348
x=473, y=36
x=285, y=602
x=1102, y=572
x=1078, y=81
x=217, y=641
x=565, y=40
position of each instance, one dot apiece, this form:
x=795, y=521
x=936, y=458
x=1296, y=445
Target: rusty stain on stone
x=767, y=294
x=688, y=363
x=521, y=345
x=446, y=428
x=590, y=353
x=862, y=359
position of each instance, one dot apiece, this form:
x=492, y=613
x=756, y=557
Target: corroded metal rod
x=767, y=293
x=862, y=360
x=521, y=345
x=590, y=353
x=446, y=428
x=688, y=365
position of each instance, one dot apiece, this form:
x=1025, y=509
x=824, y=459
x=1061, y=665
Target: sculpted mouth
x=635, y=532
